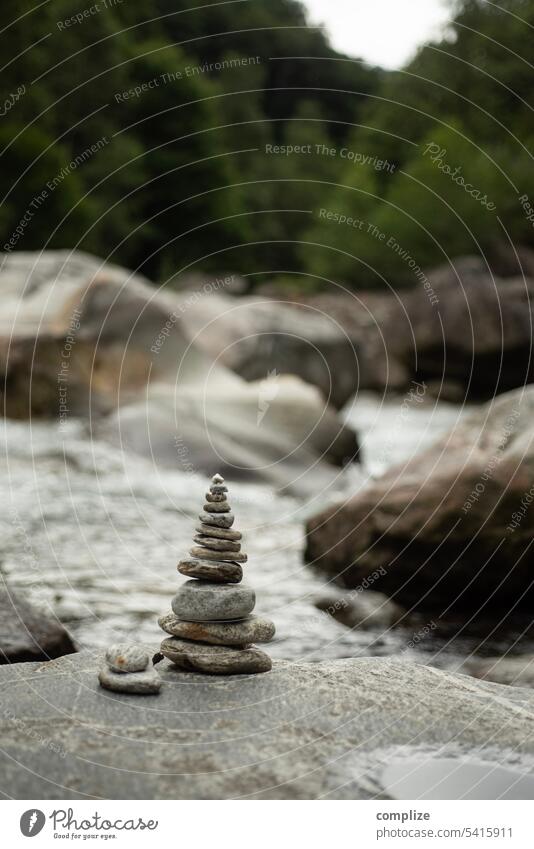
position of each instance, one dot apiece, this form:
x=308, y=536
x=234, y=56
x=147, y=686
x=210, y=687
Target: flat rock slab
x=253, y=629
x=217, y=520
x=215, y=660
x=207, y=554
x=302, y=731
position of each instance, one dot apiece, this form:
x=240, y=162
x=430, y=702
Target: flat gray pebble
x=217, y=520
x=253, y=629
x=218, y=533
x=141, y=683
x=208, y=554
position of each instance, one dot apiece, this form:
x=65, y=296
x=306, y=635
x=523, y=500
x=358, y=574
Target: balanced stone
x=218, y=489
x=215, y=498
x=219, y=507
x=218, y=533
x=216, y=571
x=231, y=556
x=253, y=629
x=215, y=660
x=217, y=478
x=217, y=520
x=200, y=601
x=142, y=683
x=217, y=544
x=124, y=657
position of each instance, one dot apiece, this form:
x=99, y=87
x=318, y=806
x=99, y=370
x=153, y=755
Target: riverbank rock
x=451, y=528
x=26, y=634
x=305, y=731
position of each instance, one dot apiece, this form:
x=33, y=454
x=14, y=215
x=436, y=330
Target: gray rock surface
x=215, y=660
x=145, y=683
x=253, y=629
x=126, y=657
x=199, y=601
x=514, y=671
x=217, y=507
x=211, y=570
x=303, y=731
x=28, y=634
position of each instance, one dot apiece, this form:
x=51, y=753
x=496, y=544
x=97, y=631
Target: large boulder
x=27, y=634
x=451, y=528
x=466, y=332
x=302, y=731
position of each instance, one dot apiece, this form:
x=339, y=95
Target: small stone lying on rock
x=215, y=660
x=220, y=507
x=217, y=520
x=207, y=554
x=253, y=629
x=216, y=571
x=200, y=601
x=217, y=544
x=143, y=683
x=124, y=657
x=211, y=628
x=219, y=533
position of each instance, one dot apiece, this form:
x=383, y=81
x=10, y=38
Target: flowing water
x=93, y=536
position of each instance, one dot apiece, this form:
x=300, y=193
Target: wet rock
x=451, y=527
x=199, y=601
x=126, y=657
x=211, y=570
x=143, y=683
x=27, y=634
x=215, y=659
x=253, y=629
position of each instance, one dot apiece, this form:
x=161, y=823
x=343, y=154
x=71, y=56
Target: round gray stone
x=214, y=660
x=218, y=489
x=200, y=601
x=221, y=520
x=140, y=683
x=218, y=533
x=125, y=657
x=217, y=479
x=207, y=554
x=214, y=499
x=253, y=629
x=217, y=544
x=218, y=507
x=226, y=573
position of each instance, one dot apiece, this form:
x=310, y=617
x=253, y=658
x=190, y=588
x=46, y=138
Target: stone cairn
x=128, y=669
x=211, y=625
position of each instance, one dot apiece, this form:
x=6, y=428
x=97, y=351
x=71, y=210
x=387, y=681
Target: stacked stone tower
x=212, y=626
